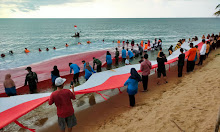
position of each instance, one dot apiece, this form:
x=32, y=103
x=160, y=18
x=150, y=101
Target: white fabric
x=95, y=80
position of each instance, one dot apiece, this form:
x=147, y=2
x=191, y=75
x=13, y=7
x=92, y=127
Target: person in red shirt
x=145, y=68
x=62, y=99
x=191, y=58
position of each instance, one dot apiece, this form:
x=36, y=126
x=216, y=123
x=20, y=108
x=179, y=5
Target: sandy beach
x=191, y=102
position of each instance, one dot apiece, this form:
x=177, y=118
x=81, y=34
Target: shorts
x=10, y=91
x=161, y=72
x=70, y=121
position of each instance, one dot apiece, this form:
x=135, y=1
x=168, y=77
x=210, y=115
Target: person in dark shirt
x=161, y=67
x=116, y=56
x=98, y=63
x=170, y=50
x=181, y=60
x=32, y=80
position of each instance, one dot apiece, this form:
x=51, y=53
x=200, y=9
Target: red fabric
x=44, y=69
x=14, y=113
x=19, y=124
x=62, y=99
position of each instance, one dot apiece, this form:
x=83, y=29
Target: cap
x=59, y=81
x=28, y=68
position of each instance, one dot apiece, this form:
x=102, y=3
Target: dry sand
x=192, y=102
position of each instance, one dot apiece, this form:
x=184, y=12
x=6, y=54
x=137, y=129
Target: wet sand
x=192, y=102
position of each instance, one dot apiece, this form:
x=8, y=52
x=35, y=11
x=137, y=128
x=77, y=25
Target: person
x=88, y=42
x=98, y=63
x=142, y=59
x=123, y=52
x=135, y=52
x=9, y=85
x=47, y=49
x=191, y=58
x=76, y=70
x=208, y=36
x=123, y=42
x=130, y=54
x=88, y=71
x=127, y=61
x=158, y=55
x=108, y=60
x=145, y=69
x=32, y=80
x=207, y=49
x=132, y=84
x=118, y=43
x=196, y=60
x=142, y=43
x=79, y=43
x=161, y=67
x=181, y=60
x=103, y=40
x=170, y=50
x=132, y=43
x=116, y=56
x=54, y=48
x=127, y=43
x=189, y=40
x=54, y=75
x=67, y=45
x=203, y=37
x=11, y=52
x=39, y=50
x=26, y=50
x=84, y=65
x=2, y=55
x=140, y=49
x=62, y=99
x=160, y=43
x=202, y=52
x=178, y=45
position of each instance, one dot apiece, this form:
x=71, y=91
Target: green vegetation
x=217, y=13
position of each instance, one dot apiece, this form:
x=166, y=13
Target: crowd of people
x=62, y=97
x=147, y=46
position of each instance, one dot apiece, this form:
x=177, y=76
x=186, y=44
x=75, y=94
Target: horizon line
x=108, y=17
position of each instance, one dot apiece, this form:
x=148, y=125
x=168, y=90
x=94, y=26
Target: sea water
x=17, y=34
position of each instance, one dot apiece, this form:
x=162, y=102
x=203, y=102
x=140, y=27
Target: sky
x=107, y=8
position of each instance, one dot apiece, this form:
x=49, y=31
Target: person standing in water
x=145, y=68
x=98, y=63
x=62, y=99
x=32, y=80
x=75, y=69
x=123, y=53
x=181, y=60
x=140, y=49
x=54, y=75
x=132, y=43
x=108, y=60
x=161, y=67
x=170, y=50
x=132, y=84
x=127, y=43
x=9, y=85
x=116, y=57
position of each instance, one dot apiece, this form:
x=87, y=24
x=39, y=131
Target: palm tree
x=217, y=13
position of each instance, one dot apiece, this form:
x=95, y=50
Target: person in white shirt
x=202, y=52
